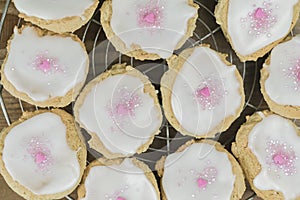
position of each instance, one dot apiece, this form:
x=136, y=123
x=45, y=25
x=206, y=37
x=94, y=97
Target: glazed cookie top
x=120, y=112
x=198, y=172
x=275, y=143
x=36, y=155
x=53, y=10
x=206, y=91
x=51, y=67
x=257, y=23
x=283, y=82
x=156, y=26
x=126, y=182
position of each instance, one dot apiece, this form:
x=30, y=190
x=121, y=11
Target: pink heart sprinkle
x=45, y=65
x=279, y=159
x=203, y=92
x=120, y=198
x=40, y=157
x=260, y=14
x=122, y=109
x=202, y=183
x=149, y=18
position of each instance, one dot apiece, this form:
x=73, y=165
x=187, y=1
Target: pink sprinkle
x=40, y=158
x=260, y=20
x=202, y=183
x=122, y=109
x=206, y=177
x=293, y=73
x=41, y=155
x=120, y=198
x=260, y=14
x=125, y=104
x=45, y=65
x=150, y=18
x=281, y=157
x=209, y=93
x=150, y=15
x=203, y=92
x=297, y=70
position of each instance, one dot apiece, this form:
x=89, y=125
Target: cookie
x=57, y=16
x=201, y=170
x=202, y=93
x=151, y=29
x=267, y=147
x=121, y=112
x=49, y=73
x=253, y=28
x=42, y=156
x=128, y=179
x=280, y=79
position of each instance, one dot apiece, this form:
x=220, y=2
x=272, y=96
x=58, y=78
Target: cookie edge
x=75, y=141
x=117, y=69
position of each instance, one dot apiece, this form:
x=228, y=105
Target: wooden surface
x=251, y=81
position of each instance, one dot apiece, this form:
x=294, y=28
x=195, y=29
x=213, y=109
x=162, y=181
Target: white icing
x=245, y=43
x=282, y=85
x=125, y=180
x=64, y=171
x=20, y=71
x=161, y=40
x=275, y=128
x=53, y=9
x=128, y=133
x=180, y=174
x=203, y=63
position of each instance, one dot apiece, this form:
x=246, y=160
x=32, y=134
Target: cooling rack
x=103, y=55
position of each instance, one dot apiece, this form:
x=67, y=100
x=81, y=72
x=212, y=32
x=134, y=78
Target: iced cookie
x=44, y=68
x=57, y=16
x=268, y=148
x=280, y=79
x=127, y=179
x=201, y=170
x=121, y=112
x=254, y=27
x=42, y=156
x=202, y=93
x=149, y=29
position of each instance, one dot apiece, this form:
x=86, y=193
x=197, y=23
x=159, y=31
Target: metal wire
x=4, y=111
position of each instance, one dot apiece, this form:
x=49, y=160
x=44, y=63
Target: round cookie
x=49, y=73
x=42, y=156
x=150, y=29
x=202, y=93
x=57, y=16
x=253, y=28
x=129, y=179
x=267, y=147
x=280, y=79
x=120, y=111
x=201, y=170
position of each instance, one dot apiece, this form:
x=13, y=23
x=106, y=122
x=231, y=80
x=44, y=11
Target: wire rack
x=103, y=55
